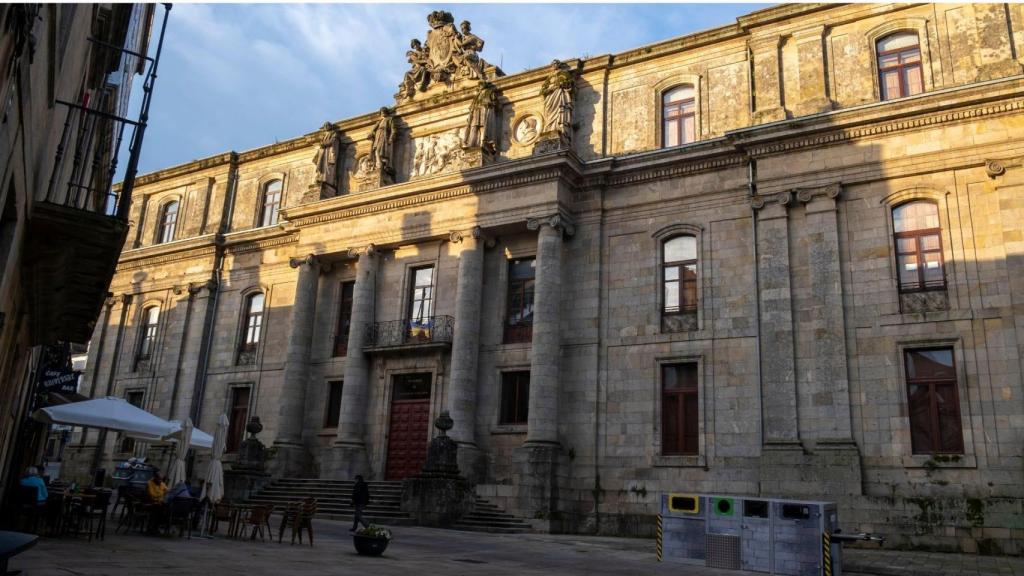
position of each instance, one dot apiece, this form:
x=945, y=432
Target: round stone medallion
x=527, y=129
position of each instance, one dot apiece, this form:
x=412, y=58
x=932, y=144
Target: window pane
x=908, y=272
x=891, y=85
x=691, y=427
x=912, y=80
x=522, y=268
x=906, y=245
x=933, y=269
x=898, y=40
x=919, y=404
x=915, y=216
x=672, y=296
x=678, y=94
x=670, y=424
x=688, y=130
x=910, y=57
x=929, y=242
x=256, y=303
x=950, y=432
x=424, y=276
x=152, y=315
x=681, y=248
x=671, y=133
x=930, y=364
x=888, y=61
x=689, y=296
x=679, y=376
x=672, y=273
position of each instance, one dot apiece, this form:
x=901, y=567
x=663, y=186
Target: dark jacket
x=360, y=494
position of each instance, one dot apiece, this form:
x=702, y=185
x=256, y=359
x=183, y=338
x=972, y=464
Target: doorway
x=410, y=425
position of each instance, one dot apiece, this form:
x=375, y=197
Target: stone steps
x=333, y=497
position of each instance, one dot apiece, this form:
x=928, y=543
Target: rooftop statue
x=558, y=91
x=448, y=56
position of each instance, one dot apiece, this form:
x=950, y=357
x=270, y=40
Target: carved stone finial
x=444, y=423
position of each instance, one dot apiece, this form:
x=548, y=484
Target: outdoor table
x=12, y=544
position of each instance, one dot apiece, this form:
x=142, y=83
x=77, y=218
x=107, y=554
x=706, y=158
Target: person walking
x=360, y=498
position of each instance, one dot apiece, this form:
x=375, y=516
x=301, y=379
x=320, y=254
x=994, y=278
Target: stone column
x=766, y=61
x=542, y=421
x=813, y=80
x=349, y=455
x=290, y=457
x=201, y=293
x=466, y=346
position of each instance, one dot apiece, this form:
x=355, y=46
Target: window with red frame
x=680, y=410
x=917, y=236
x=345, y=292
x=899, y=66
x=678, y=114
x=933, y=401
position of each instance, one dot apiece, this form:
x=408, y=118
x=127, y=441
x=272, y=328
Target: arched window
x=679, y=275
x=270, y=203
x=917, y=236
x=678, y=115
x=899, y=66
x=252, y=328
x=168, y=221
x=147, y=339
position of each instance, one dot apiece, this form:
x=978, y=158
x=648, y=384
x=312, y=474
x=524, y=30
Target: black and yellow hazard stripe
x=826, y=554
x=659, y=537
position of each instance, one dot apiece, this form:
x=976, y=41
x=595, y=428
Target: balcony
x=79, y=220
x=403, y=335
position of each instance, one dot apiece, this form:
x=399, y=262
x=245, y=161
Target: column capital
x=784, y=199
x=361, y=251
x=307, y=260
x=805, y=195
x=558, y=222
x=476, y=233
x=126, y=299
x=109, y=301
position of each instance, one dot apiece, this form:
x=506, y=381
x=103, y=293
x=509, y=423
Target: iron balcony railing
x=403, y=333
x=96, y=124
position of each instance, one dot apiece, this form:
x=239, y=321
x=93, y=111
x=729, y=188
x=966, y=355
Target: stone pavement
x=425, y=551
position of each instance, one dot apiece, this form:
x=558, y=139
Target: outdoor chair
x=135, y=513
x=96, y=510
x=259, y=518
x=222, y=511
x=299, y=516
x=29, y=508
x=56, y=508
x=180, y=515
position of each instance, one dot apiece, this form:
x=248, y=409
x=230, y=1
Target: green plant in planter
x=374, y=531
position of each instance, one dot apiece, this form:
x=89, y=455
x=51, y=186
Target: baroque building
x=782, y=257
x=66, y=73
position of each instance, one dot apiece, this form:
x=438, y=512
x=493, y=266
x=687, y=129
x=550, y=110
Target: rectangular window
x=680, y=411
x=333, y=412
x=515, y=397
x=135, y=398
x=345, y=292
x=519, y=307
x=421, y=303
x=238, y=417
x=933, y=401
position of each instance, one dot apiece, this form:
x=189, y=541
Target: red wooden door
x=407, y=441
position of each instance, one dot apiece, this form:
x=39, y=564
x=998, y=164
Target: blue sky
x=240, y=76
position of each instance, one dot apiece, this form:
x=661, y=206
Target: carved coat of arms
x=449, y=55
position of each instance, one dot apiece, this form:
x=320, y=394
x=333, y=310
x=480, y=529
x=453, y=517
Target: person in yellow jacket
x=156, y=488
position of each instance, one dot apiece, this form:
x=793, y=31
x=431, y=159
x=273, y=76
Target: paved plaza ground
x=422, y=551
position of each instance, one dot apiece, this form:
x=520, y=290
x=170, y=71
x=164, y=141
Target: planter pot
x=369, y=546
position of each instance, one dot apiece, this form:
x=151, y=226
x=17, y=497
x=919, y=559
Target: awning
x=200, y=439
x=110, y=413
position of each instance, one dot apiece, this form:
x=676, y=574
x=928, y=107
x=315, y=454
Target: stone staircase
x=333, y=498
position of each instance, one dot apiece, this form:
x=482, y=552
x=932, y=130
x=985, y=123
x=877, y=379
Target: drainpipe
x=751, y=194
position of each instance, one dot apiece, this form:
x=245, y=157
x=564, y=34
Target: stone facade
x=798, y=328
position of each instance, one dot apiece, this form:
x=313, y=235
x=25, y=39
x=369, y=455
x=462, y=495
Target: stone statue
x=468, y=61
x=558, y=91
x=326, y=160
x=383, y=140
x=481, y=118
x=447, y=56
x=418, y=77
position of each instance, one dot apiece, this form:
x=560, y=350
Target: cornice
x=143, y=261
x=184, y=169
x=255, y=245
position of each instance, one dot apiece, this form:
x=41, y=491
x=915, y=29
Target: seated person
x=180, y=490
x=33, y=479
x=156, y=488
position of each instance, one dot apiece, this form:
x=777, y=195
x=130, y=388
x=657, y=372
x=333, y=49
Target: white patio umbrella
x=199, y=439
x=178, y=467
x=111, y=413
x=214, y=487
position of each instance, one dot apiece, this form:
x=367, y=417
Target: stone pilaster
x=348, y=456
x=544, y=365
x=778, y=373
x=827, y=367
x=192, y=338
x=813, y=81
x=292, y=401
x=462, y=394
x=766, y=60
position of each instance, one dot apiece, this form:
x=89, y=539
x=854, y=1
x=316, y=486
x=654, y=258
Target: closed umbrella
x=214, y=487
x=178, y=467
